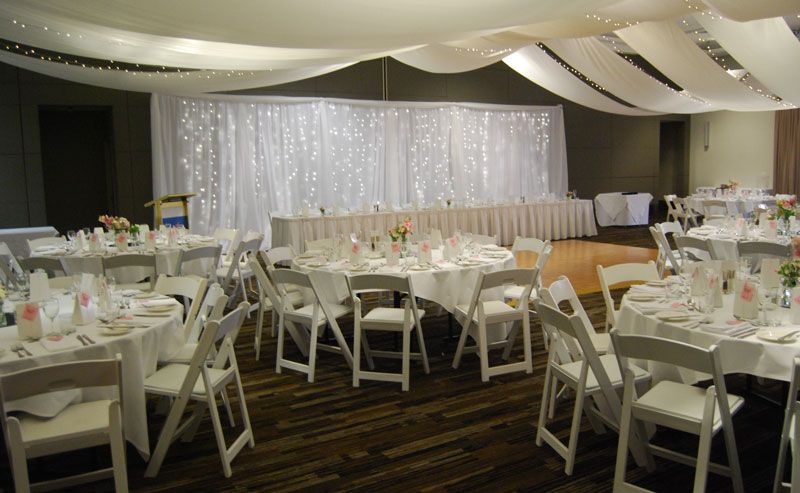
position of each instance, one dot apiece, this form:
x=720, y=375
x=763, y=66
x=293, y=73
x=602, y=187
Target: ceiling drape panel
x=672, y=52
x=748, y=10
x=538, y=67
x=447, y=59
x=246, y=157
x=601, y=64
x=767, y=48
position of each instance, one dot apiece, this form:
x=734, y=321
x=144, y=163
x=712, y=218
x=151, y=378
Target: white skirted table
x=618, y=209
x=545, y=220
x=16, y=238
x=156, y=338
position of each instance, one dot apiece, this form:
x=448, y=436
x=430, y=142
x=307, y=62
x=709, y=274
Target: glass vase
x=403, y=247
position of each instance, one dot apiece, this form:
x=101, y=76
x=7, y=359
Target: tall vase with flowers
x=401, y=232
x=117, y=224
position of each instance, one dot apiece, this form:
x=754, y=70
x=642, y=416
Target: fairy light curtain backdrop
x=247, y=158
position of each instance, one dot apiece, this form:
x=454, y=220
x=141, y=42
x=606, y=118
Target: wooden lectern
x=171, y=209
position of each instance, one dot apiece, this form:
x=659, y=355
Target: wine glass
x=111, y=282
x=71, y=235
x=51, y=307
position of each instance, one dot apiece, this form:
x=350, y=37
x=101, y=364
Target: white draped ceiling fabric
x=239, y=44
x=246, y=156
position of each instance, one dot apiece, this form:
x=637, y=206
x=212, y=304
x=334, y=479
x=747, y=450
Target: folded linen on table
x=645, y=289
x=59, y=343
x=658, y=306
x=731, y=328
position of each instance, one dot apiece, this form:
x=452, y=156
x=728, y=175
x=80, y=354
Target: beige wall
x=741, y=147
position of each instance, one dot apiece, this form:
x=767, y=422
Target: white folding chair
x=714, y=210
x=672, y=212
x=131, y=269
x=311, y=317
x=233, y=276
x=212, y=308
x=561, y=291
x=47, y=241
x=475, y=317
x=53, y=266
x=693, y=249
x=199, y=382
x=81, y=425
x=279, y=255
x=402, y=320
x=543, y=250
x=675, y=405
x=190, y=289
x=228, y=240
x=685, y=211
x=269, y=298
x=663, y=232
x=758, y=250
x=790, y=437
x=199, y=261
x=622, y=273
x=593, y=378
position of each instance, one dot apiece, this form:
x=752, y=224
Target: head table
x=447, y=283
x=145, y=337
x=746, y=353
x=553, y=220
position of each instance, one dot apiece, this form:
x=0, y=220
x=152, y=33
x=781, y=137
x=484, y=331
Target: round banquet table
x=726, y=241
x=449, y=284
x=141, y=348
x=749, y=354
x=167, y=257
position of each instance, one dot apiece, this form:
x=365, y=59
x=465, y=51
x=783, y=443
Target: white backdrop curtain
x=248, y=157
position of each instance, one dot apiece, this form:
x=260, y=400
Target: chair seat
x=168, y=380
x=515, y=292
x=85, y=418
x=682, y=401
x=336, y=310
x=184, y=354
x=573, y=371
x=389, y=316
x=490, y=308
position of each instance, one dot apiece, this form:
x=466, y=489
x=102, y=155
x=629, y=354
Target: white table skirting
x=544, y=220
x=141, y=349
x=616, y=209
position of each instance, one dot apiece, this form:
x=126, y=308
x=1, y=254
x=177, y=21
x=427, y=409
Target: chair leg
x=117, y=443
x=733, y=456
x=526, y=340
x=462, y=340
x=423, y=351
x=512, y=337
x=624, y=436
x=406, y=370
x=19, y=463
x=243, y=410
x=356, y=355
x=259, y=330
x=312, y=352
x=227, y=403
x=197, y=416
x=218, y=434
x=575, y=429
x=483, y=350
x=551, y=412
x=546, y=396
x=279, y=348
x=274, y=323
x=367, y=350
x=704, y=445
x=165, y=438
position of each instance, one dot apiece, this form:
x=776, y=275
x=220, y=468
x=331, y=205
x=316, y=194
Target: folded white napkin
x=59, y=343
x=51, y=251
x=160, y=302
x=130, y=292
x=645, y=289
x=732, y=328
x=649, y=308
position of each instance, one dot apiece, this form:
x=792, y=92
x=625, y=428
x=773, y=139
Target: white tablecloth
x=726, y=243
x=733, y=205
x=616, y=209
x=141, y=349
x=16, y=238
x=544, y=220
x=749, y=355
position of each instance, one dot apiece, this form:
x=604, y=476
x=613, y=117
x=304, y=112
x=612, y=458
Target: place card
x=745, y=302
x=95, y=243
x=436, y=238
x=393, y=253
x=121, y=242
x=714, y=286
x=356, y=256
x=29, y=320
x=769, y=273
x=699, y=286
x=150, y=241
x=425, y=251
x=83, y=310
x=795, y=308
x=450, y=248
x=772, y=230
x=40, y=287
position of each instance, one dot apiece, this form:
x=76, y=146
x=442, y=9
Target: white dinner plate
x=419, y=267
x=642, y=297
x=773, y=335
x=144, y=296
x=469, y=263
x=160, y=308
x=114, y=331
x=317, y=264
x=659, y=283
x=672, y=316
x=493, y=247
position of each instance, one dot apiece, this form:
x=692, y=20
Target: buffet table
x=545, y=220
x=618, y=209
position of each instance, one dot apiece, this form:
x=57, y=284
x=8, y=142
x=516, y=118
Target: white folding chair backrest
x=541, y=263
x=699, y=249
x=130, y=268
x=764, y=249
x=321, y=244
x=385, y=282
x=283, y=279
x=529, y=244
x=53, y=266
x=189, y=287
x=229, y=240
x=715, y=209
x=558, y=292
x=47, y=241
x=623, y=273
x=788, y=442
x=227, y=328
x=265, y=284
x=211, y=309
x=672, y=212
x=670, y=227
x=278, y=255
x=519, y=277
x=199, y=261
x=241, y=254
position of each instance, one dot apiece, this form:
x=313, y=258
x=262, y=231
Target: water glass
x=51, y=307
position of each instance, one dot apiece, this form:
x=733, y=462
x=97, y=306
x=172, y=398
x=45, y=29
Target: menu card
x=29, y=320
x=121, y=242
x=772, y=230
x=83, y=311
x=745, y=302
x=393, y=253
x=355, y=252
x=40, y=287
x=425, y=251
x=450, y=248
x=150, y=241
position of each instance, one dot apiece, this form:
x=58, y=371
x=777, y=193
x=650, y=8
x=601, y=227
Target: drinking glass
x=51, y=308
x=111, y=282
x=744, y=268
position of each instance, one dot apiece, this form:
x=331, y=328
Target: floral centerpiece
x=117, y=224
x=402, y=230
x=731, y=185
x=572, y=194
x=790, y=272
x=785, y=208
